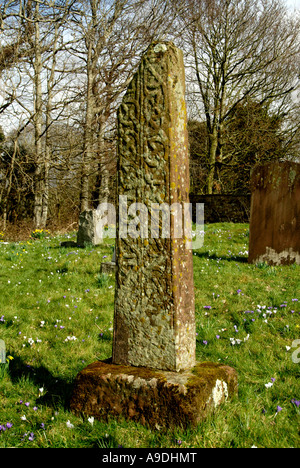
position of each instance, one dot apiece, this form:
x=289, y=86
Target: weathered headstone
x=88, y=232
x=275, y=214
x=153, y=377
x=110, y=266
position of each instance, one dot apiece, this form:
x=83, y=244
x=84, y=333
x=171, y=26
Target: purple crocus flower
x=296, y=402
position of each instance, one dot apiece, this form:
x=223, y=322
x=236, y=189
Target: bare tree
x=72, y=62
x=39, y=23
x=111, y=36
x=98, y=20
x=238, y=49
x=16, y=163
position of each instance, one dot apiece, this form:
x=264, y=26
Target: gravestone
x=87, y=231
x=275, y=214
x=109, y=267
x=153, y=377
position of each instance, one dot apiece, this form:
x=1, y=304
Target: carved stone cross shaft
x=154, y=323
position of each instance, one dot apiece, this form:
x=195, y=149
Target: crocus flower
x=296, y=402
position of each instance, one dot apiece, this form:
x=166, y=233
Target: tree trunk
x=9, y=185
x=88, y=134
x=101, y=189
x=39, y=176
x=50, y=85
x=212, y=156
x=45, y=197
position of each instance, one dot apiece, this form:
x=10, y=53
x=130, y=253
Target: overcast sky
x=293, y=4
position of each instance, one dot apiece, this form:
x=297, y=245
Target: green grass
x=56, y=317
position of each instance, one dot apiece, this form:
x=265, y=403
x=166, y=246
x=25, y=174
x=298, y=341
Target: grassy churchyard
x=56, y=317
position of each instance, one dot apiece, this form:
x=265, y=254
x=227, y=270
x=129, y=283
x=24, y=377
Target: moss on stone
x=154, y=398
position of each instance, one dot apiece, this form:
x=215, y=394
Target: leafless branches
x=64, y=67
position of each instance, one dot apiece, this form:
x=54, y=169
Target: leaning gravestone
x=88, y=232
x=153, y=377
x=275, y=214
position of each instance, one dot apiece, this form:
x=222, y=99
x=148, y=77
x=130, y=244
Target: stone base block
x=108, y=267
x=151, y=397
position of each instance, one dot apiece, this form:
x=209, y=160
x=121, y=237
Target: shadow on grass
x=73, y=245
x=234, y=258
x=107, y=441
x=64, y=246
x=58, y=391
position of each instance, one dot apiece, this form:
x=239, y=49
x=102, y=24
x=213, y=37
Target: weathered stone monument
x=275, y=214
x=153, y=376
x=109, y=267
x=154, y=304
x=88, y=232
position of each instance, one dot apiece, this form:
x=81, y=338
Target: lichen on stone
x=154, y=280
x=219, y=392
